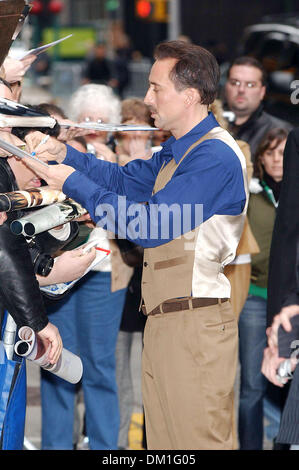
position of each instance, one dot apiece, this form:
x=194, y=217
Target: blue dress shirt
x=211, y=176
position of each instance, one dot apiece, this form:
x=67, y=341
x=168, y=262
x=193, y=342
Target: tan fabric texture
x=189, y=366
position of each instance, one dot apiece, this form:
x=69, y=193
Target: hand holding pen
x=49, y=148
x=42, y=142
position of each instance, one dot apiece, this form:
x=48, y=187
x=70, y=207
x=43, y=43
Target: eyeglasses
x=88, y=119
x=238, y=83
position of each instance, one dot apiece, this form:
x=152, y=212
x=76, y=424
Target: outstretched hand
x=54, y=175
x=270, y=364
x=69, y=266
x=15, y=69
x=52, y=150
x=283, y=319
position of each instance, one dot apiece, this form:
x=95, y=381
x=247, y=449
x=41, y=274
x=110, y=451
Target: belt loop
x=161, y=308
x=190, y=303
x=219, y=302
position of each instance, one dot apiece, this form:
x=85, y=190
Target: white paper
x=57, y=289
x=39, y=50
x=26, y=121
x=99, y=126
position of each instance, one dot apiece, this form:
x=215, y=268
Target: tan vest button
x=145, y=264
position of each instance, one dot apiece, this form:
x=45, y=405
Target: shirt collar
x=178, y=147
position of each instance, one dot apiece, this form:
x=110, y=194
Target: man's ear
x=192, y=96
x=263, y=92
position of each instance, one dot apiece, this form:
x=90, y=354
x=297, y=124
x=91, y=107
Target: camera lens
x=43, y=264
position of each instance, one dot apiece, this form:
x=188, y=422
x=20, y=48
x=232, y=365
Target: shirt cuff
x=61, y=234
x=71, y=154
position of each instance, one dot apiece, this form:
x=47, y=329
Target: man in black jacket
x=283, y=340
x=19, y=289
x=245, y=90
x=283, y=282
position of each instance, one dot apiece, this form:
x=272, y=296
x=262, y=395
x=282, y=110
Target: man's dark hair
x=52, y=108
x=251, y=62
x=195, y=68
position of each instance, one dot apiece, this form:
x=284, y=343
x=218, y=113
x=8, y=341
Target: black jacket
x=283, y=280
x=283, y=253
x=256, y=127
x=289, y=426
x=19, y=290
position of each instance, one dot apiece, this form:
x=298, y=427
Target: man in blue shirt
x=186, y=206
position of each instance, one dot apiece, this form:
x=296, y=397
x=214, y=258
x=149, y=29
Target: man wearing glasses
x=245, y=90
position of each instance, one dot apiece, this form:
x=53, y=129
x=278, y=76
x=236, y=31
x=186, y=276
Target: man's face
x=167, y=105
x=244, y=90
x=100, y=52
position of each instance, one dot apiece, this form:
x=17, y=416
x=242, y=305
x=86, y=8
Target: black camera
x=42, y=262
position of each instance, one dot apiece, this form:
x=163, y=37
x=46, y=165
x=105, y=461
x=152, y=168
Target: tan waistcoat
x=193, y=263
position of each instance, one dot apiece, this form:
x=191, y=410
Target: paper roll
x=69, y=366
x=16, y=200
x=47, y=218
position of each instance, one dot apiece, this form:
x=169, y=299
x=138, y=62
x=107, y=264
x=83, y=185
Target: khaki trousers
x=189, y=366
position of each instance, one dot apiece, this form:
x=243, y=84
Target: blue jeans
x=253, y=384
x=88, y=319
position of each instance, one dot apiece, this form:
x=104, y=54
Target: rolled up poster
x=69, y=366
x=47, y=218
x=43, y=196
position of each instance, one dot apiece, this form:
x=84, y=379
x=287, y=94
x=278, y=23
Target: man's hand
x=50, y=335
x=283, y=318
x=270, y=364
x=52, y=150
x=54, y=175
x=70, y=133
x=15, y=69
x=69, y=266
